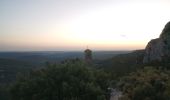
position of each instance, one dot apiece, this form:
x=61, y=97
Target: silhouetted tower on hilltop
x=88, y=55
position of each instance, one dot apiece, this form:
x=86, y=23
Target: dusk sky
x=55, y=25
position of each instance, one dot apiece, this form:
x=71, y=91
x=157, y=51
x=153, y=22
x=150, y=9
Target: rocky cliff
x=158, y=49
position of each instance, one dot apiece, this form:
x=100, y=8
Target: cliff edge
x=158, y=49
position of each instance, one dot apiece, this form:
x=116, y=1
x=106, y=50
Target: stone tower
x=88, y=55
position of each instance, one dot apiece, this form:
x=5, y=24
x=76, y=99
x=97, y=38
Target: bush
x=71, y=80
x=146, y=84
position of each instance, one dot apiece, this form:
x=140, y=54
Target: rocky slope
x=158, y=49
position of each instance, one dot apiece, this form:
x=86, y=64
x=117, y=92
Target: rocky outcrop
x=115, y=94
x=158, y=49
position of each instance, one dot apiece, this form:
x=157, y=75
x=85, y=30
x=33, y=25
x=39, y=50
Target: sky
x=55, y=25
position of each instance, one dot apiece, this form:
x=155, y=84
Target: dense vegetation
x=75, y=80
x=72, y=80
x=123, y=64
x=146, y=84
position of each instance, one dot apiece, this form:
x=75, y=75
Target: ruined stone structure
x=88, y=55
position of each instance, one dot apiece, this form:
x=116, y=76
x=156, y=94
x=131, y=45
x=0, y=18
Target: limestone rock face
x=158, y=49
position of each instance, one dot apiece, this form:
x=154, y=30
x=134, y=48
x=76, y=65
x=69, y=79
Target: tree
x=146, y=84
x=71, y=80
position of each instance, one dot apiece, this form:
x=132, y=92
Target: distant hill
x=12, y=63
x=123, y=63
x=10, y=67
x=56, y=56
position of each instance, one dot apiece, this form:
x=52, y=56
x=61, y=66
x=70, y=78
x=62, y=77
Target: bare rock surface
x=158, y=49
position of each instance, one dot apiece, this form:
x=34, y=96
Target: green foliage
x=146, y=84
x=72, y=80
x=4, y=95
x=123, y=64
